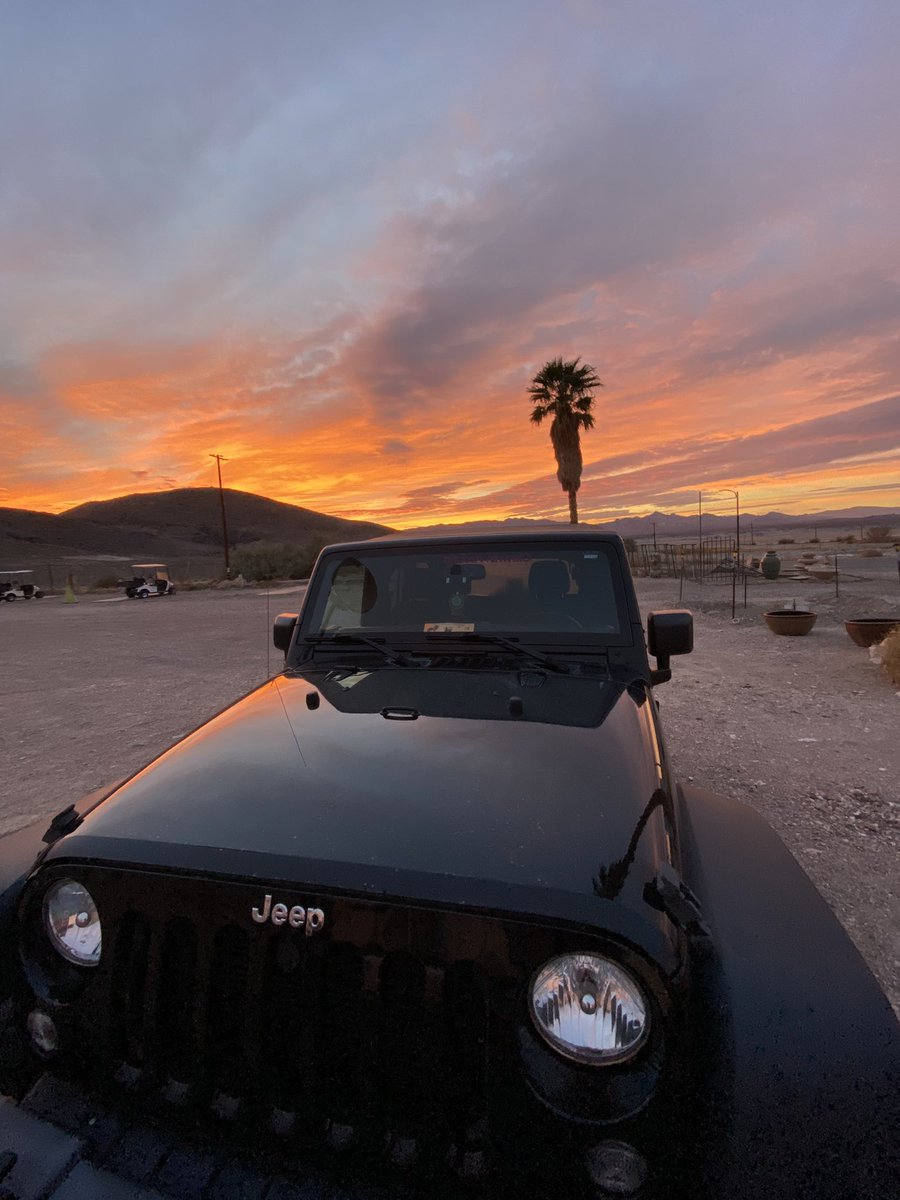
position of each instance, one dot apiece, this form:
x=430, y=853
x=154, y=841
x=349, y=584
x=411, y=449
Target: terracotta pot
x=790, y=622
x=866, y=631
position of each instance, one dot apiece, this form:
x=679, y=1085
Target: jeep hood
x=377, y=784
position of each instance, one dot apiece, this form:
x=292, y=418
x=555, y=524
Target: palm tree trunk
x=573, y=507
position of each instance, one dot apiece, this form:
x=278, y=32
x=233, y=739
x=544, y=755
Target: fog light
x=617, y=1168
x=43, y=1033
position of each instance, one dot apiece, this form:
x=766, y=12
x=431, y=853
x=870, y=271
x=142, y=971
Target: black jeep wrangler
x=427, y=911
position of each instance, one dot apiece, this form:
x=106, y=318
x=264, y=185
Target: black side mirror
x=670, y=631
x=283, y=630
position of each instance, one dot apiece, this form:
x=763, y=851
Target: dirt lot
x=805, y=729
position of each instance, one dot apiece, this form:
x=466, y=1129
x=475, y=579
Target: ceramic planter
x=790, y=622
x=866, y=631
x=770, y=565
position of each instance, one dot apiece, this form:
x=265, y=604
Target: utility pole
x=654, y=535
x=219, y=460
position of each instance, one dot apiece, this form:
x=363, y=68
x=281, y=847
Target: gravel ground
x=804, y=729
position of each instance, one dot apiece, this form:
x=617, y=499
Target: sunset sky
x=334, y=241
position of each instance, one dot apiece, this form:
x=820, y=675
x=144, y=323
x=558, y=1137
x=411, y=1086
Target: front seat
x=548, y=587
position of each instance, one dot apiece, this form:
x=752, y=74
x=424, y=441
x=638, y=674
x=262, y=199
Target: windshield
x=567, y=588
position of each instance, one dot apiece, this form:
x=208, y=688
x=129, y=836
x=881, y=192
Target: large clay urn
x=770, y=565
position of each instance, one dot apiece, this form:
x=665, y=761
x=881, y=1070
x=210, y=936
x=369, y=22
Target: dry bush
x=785, y=541
x=266, y=560
x=869, y=552
x=890, y=655
x=877, y=533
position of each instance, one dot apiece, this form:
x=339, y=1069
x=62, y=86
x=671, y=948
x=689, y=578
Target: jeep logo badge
x=298, y=917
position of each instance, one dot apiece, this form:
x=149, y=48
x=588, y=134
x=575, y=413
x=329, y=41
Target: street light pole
x=737, y=523
x=700, y=529
x=219, y=460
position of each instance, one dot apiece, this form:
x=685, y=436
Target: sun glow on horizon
x=343, y=278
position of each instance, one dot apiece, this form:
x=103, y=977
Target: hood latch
x=670, y=894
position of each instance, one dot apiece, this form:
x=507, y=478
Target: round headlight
x=589, y=1009
x=70, y=916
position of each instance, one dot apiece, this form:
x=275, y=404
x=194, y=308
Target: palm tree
x=562, y=390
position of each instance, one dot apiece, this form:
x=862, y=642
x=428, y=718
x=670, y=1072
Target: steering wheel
x=553, y=622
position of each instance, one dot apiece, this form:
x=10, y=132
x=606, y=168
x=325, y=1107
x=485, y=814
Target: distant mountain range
x=675, y=525
x=671, y=524
x=183, y=528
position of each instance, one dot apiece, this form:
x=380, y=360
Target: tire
x=38, y=595
x=10, y=596
x=143, y=594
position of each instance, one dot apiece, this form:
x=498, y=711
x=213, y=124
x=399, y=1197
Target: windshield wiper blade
x=507, y=643
x=345, y=639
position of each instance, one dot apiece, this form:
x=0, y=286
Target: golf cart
x=12, y=587
x=150, y=579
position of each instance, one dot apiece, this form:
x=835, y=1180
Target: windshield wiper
x=497, y=639
x=358, y=639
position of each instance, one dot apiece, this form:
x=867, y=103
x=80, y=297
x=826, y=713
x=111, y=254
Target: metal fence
x=712, y=559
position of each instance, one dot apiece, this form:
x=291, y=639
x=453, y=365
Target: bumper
x=57, y=1145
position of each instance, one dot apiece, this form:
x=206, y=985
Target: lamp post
x=219, y=460
x=700, y=530
x=737, y=517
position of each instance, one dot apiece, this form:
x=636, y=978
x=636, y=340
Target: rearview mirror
x=669, y=631
x=283, y=630
x=468, y=571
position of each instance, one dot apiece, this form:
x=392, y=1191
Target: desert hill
x=182, y=527
x=193, y=515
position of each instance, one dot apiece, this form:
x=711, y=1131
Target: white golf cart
x=13, y=587
x=150, y=579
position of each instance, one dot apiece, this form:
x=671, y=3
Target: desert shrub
x=196, y=585
x=814, y=541
x=106, y=581
x=630, y=545
x=785, y=541
x=868, y=552
x=890, y=655
x=267, y=560
x=877, y=533
x=848, y=538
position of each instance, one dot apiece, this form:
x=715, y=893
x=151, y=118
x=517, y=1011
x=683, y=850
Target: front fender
x=19, y=853
x=801, y=1082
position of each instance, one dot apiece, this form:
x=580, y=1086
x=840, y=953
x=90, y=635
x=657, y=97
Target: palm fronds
x=562, y=391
